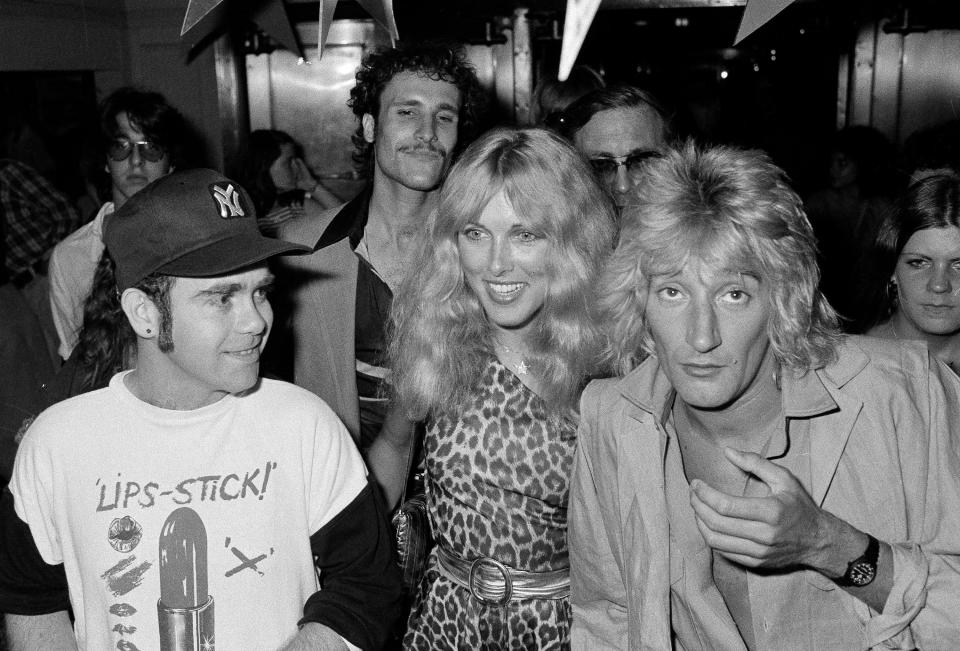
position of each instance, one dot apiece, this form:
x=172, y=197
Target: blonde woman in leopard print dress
x=492, y=344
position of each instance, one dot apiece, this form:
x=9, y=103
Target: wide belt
x=492, y=582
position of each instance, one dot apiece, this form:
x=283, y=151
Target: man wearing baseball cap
x=192, y=503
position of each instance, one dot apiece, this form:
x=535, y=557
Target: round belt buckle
x=475, y=578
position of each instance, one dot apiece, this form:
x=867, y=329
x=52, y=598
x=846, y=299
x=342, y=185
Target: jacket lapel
x=649, y=395
x=817, y=393
x=828, y=438
x=641, y=444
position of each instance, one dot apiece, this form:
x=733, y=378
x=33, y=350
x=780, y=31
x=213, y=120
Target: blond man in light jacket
x=759, y=481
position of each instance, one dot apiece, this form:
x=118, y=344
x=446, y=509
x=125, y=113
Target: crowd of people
x=639, y=416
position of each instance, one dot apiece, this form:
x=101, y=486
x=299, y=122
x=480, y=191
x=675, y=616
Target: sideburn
x=165, y=336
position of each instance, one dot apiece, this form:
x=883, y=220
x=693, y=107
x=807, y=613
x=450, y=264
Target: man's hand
x=785, y=528
x=315, y=637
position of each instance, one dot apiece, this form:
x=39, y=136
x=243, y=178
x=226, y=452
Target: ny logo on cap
x=228, y=200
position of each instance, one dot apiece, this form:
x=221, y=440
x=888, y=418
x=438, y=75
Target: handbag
x=411, y=532
x=411, y=527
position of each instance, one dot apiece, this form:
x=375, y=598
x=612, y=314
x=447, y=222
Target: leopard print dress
x=498, y=479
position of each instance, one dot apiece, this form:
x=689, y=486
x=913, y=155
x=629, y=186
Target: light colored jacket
x=884, y=446
x=322, y=288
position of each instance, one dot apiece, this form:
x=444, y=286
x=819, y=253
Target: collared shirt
x=36, y=214
x=741, y=602
x=871, y=438
x=72, y=266
x=350, y=222
x=372, y=311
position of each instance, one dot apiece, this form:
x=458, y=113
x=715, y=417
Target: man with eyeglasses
x=619, y=129
x=142, y=136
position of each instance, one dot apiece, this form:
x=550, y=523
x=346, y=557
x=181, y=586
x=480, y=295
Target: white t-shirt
x=208, y=511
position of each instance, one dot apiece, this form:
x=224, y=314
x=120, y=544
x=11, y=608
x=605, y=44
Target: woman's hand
x=302, y=175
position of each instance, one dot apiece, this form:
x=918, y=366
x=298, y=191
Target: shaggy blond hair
x=729, y=207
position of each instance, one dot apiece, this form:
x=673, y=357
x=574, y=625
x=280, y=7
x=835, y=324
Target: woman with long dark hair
x=280, y=183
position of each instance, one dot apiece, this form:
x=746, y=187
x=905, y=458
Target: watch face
x=861, y=573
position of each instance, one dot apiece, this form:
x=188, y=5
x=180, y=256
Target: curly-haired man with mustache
x=415, y=106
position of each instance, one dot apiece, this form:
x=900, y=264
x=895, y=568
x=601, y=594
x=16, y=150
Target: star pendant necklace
x=521, y=366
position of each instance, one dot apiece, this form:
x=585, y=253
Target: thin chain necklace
x=521, y=366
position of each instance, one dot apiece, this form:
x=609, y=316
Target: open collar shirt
x=871, y=437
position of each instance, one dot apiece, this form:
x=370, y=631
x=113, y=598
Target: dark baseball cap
x=194, y=223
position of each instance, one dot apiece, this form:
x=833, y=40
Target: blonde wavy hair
x=725, y=206
x=441, y=337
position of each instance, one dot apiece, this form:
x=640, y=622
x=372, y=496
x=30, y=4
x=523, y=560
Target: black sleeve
x=28, y=584
x=360, y=591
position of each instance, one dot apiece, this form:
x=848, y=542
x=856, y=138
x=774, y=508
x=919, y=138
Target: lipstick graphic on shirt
x=185, y=608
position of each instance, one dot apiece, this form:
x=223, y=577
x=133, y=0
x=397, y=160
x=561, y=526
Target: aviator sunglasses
x=608, y=166
x=120, y=149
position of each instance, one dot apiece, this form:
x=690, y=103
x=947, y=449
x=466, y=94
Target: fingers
x=738, y=550
x=750, y=543
x=303, y=175
x=761, y=509
x=774, y=476
x=774, y=531
x=758, y=531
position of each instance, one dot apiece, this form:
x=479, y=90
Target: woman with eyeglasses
x=492, y=344
x=142, y=137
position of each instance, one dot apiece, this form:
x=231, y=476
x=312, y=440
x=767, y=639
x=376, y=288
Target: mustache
x=433, y=149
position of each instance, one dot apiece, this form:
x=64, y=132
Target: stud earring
x=149, y=331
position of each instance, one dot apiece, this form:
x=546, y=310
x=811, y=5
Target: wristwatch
x=861, y=571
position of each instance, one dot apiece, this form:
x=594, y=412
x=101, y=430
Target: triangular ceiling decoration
x=380, y=10
x=580, y=14
x=204, y=18
x=757, y=13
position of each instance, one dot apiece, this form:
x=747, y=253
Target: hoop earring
x=893, y=298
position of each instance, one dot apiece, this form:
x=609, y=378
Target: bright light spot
x=773, y=53
x=724, y=74
x=802, y=31
x=756, y=67
x=681, y=21
x=773, y=58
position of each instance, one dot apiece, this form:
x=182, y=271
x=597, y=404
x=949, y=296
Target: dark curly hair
x=107, y=343
x=437, y=61
x=149, y=113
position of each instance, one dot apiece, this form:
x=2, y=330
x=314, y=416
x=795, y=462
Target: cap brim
x=231, y=254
